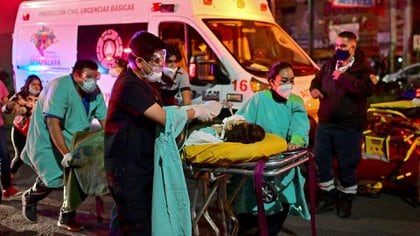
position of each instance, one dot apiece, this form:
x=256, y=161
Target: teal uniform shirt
x=289, y=120
x=58, y=99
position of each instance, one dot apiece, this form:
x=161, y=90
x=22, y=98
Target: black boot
x=344, y=204
x=31, y=197
x=67, y=221
x=275, y=222
x=344, y=208
x=326, y=201
x=248, y=224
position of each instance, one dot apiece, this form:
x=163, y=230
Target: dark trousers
x=4, y=160
x=345, y=143
x=133, y=198
x=18, y=141
x=274, y=222
x=37, y=192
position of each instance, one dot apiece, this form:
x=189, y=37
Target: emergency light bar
x=43, y=68
x=263, y=7
x=239, y=4
x=208, y=2
x=164, y=8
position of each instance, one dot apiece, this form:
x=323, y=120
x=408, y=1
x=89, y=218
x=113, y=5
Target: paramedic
x=21, y=105
x=135, y=112
x=342, y=87
x=280, y=112
x=177, y=80
x=68, y=104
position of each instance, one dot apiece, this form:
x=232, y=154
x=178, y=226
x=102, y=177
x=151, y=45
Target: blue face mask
x=89, y=85
x=342, y=55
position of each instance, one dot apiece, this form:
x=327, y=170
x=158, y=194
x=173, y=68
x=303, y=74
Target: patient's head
x=244, y=132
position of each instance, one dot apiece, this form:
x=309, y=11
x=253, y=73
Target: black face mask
x=342, y=54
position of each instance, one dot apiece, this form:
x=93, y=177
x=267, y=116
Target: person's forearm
x=102, y=122
x=57, y=135
x=186, y=97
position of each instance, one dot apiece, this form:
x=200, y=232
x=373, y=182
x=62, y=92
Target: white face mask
x=34, y=91
x=113, y=73
x=155, y=75
x=89, y=85
x=169, y=72
x=284, y=90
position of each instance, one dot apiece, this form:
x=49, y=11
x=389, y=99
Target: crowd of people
x=142, y=122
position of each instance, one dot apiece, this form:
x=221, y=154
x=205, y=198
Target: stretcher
x=392, y=137
x=211, y=172
x=212, y=180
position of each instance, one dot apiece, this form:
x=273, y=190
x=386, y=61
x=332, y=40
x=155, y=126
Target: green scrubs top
x=289, y=120
x=58, y=99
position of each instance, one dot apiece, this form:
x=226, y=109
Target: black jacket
x=344, y=104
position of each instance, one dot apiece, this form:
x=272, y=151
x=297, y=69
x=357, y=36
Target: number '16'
x=241, y=86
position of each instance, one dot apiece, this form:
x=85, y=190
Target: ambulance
x=227, y=46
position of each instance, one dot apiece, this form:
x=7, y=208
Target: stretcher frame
x=378, y=148
x=214, y=182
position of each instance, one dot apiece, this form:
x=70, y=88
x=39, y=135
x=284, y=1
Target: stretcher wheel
x=269, y=192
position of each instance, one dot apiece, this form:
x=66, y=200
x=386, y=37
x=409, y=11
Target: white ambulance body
x=227, y=45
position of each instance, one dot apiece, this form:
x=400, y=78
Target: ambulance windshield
x=257, y=45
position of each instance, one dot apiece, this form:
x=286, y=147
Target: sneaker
x=72, y=226
x=68, y=222
x=28, y=209
x=11, y=192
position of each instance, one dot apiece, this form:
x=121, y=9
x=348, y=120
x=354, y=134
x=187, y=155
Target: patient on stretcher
x=232, y=129
x=234, y=141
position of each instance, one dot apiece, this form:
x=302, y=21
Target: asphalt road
x=386, y=215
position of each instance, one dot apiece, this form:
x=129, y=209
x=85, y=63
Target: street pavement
x=385, y=215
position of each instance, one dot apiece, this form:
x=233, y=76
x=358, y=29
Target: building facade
x=377, y=23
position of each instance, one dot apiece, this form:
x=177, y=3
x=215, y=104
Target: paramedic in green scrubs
x=280, y=112
x=67, y=104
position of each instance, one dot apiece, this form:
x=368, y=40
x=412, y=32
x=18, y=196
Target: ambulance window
x=209, y=68
x=257, y=45
x=198, y=58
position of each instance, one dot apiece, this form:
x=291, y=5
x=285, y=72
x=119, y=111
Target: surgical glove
x=202, y=113
x=214, y=107
x=66, y=161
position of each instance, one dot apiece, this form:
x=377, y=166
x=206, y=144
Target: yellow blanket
x=227, y=153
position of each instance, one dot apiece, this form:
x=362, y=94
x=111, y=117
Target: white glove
x=202, y=113
x=66, y=161
x=214, y=107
